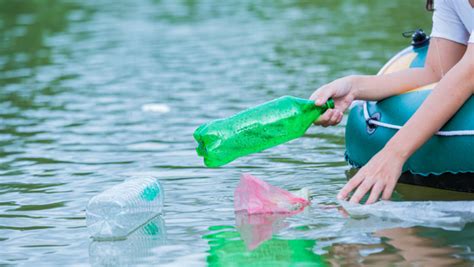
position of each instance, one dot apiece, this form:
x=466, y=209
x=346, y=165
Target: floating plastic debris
x=257, y=197
x=121, y=209
x=256, y=129
x=440, y=214
x=156, y=108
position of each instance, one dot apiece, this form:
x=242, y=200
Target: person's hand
x=379, y=176
x=341, y=92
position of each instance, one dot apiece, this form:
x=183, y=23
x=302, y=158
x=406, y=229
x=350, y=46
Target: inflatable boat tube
x=445, y=161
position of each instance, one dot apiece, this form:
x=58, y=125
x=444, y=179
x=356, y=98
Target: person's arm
x=442, y=56
x=381, y=173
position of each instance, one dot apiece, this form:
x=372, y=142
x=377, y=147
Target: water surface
x=95, y=92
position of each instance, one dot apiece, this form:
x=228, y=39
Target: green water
x=76, y=81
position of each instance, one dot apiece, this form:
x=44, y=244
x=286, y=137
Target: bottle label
x=150, y=192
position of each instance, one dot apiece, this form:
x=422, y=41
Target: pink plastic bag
x=256, y=197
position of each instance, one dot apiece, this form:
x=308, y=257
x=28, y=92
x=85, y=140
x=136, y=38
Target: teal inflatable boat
x=445, y=161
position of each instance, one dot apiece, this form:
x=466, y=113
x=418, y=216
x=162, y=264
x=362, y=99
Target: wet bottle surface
x=256, y=129
x=121, y=209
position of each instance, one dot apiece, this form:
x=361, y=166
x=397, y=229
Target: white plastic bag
x=440, y=214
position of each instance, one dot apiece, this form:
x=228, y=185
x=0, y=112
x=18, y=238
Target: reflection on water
x=255, y=229
x=138, y=248
x=228, y=249
x=253, y=242
x=403, y=247
x=418, y=193
x=416, y=248
x=93, y=92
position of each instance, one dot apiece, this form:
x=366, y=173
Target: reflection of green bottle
x=256, y=129
x=227, y=249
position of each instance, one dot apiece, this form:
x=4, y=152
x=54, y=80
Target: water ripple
x=93, y=93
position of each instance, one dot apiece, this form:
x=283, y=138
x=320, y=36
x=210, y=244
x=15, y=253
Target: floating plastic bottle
x=256, y=129
x=118, y=211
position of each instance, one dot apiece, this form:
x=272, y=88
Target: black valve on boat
x=418, y=38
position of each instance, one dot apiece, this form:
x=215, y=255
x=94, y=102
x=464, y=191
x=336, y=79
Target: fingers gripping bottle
x=256, y=129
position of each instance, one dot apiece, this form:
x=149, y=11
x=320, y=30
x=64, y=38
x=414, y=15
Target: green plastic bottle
x=256, y=129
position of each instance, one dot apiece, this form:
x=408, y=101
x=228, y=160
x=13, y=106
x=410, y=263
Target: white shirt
x=453, y=20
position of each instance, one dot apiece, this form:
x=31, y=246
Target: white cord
x=371, y=121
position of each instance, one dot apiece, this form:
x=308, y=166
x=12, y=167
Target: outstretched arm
x=442, y=56
x=381, y=173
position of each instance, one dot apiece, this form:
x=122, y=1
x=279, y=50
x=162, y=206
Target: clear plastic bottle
x=121, y=209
